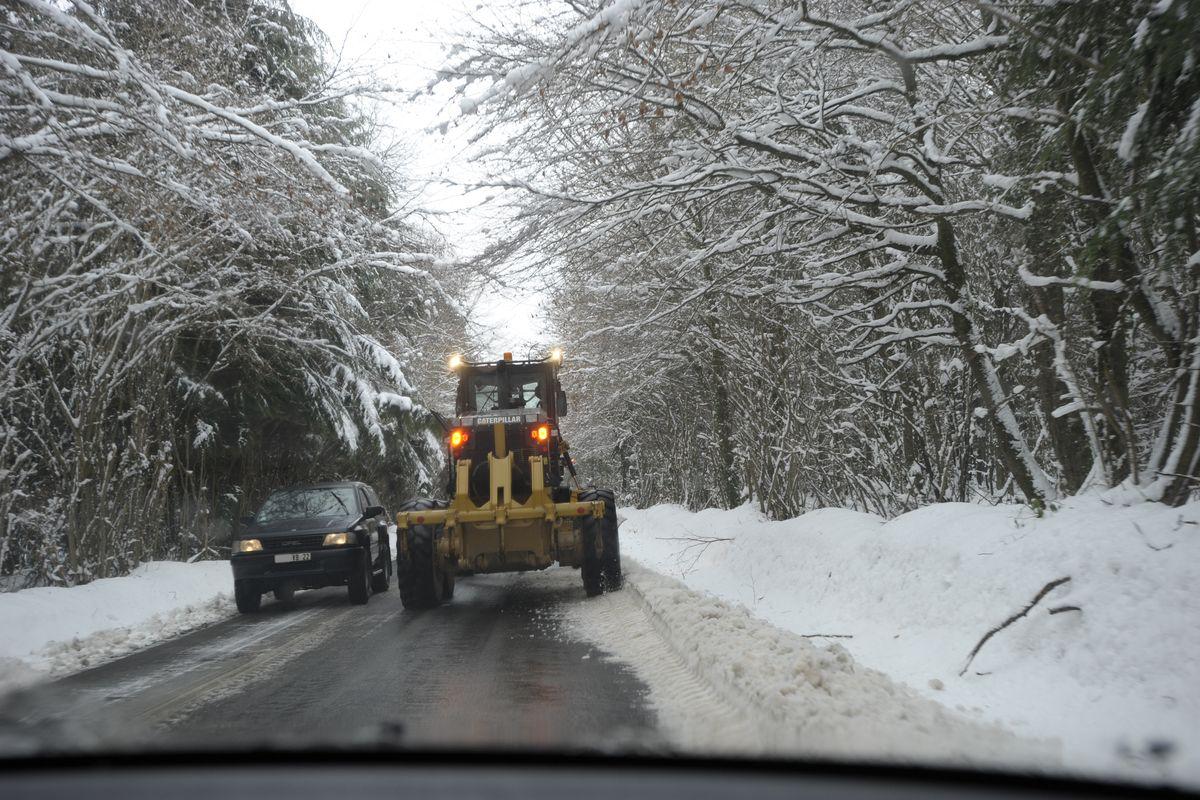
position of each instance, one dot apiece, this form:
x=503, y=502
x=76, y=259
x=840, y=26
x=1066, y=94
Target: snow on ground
x=724, y=681
x=54, y=631
x=1114, y=674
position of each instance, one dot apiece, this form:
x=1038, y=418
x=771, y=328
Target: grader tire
x=613, y=579
x=601, y=570
x=593, y=573
x=421, y=578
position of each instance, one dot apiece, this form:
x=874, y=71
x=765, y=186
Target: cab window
x=485, y=393
x=531, y=394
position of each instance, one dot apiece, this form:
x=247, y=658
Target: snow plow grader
x=512, y=506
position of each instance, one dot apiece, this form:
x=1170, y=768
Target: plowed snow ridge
x=1114, y=676
x=722, y=680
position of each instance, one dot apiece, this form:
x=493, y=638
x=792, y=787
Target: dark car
x=306, y=537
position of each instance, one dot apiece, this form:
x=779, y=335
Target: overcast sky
x=403, y=43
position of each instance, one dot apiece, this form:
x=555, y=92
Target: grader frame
x=503, y=534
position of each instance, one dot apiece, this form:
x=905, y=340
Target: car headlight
x=246, y=545
x=336, y=539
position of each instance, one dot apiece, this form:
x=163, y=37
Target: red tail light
x=540, y=434
x=458, y=437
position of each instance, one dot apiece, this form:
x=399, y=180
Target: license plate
x=288, y=558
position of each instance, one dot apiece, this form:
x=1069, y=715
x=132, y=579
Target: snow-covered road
x=493, y=668
x=513, y=660
x=837, y=634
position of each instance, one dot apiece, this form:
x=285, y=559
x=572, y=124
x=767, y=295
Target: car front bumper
x=326, y=567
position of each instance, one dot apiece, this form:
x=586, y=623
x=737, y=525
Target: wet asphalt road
x=491, y=668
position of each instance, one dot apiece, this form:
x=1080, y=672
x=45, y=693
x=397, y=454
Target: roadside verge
x=53, y=631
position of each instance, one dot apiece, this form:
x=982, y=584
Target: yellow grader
x=512, y=507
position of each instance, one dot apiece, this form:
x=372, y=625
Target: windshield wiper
x=340, y=503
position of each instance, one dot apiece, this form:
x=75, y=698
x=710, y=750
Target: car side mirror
x=246, y=520
x=561, y=403
x=373, y=511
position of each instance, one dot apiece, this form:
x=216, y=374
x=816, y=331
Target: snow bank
x=725, y=681
x=1117, y=680
x=53, y=631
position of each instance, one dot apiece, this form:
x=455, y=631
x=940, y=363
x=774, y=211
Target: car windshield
x=304, y=503
x=878, y=323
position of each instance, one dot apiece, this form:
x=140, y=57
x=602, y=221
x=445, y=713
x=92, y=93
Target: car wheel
x=379, y=580
x=359, y=585
x=247, y=597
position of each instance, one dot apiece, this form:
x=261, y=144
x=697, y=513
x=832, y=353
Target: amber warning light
x=540, y=434
x=458, y=437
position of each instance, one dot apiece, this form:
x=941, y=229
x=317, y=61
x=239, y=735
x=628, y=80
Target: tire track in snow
x=693, y=714
x=725, y=681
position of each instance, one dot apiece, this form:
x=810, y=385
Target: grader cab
x=515, y=501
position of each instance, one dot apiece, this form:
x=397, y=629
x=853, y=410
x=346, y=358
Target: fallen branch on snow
x=695, y=539
x=1146, y=540
x=696, y=545
x=1061, y=609
x=1049, y=587
x=826, y=636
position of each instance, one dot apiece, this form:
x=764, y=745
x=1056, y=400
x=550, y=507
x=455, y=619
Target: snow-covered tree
x=205, y=289
x=837, y=243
